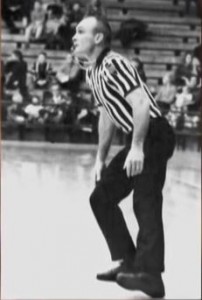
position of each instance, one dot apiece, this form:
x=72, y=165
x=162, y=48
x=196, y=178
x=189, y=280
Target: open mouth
x=74, y=46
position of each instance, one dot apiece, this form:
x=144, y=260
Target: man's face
x=84, y=38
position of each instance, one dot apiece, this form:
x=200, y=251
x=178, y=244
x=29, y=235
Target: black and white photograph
x=100, y=149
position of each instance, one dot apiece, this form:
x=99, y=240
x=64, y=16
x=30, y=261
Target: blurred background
x=43, y=89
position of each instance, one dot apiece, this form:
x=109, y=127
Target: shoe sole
x=138, y=286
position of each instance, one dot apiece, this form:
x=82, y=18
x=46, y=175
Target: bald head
x=98, y=25
x=92, y=32
x=103, y=27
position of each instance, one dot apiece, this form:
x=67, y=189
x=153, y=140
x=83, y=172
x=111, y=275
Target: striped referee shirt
x=111, y=80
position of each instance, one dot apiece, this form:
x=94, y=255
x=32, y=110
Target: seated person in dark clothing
x=41, y=72
x=15, y=72
x=184, y=69
x=51, y=30
x=58, y=30
x=74, y=17
x=70, y=74
x=55, y=7
x=76, y=13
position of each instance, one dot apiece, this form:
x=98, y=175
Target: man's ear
x=99, y=37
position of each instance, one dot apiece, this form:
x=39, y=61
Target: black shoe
x=150, y=284
x=109, y=275
x=112, y=274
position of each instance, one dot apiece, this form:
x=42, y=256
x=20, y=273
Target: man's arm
x=140, y=105
x=106, y=131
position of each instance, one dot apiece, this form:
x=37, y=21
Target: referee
x=126, y=102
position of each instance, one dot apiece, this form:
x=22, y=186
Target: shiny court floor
x=52, y=247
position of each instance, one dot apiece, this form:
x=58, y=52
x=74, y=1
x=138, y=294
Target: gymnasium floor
x=52, y=247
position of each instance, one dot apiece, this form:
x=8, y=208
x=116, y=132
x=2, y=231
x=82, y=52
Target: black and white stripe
x=111, y=81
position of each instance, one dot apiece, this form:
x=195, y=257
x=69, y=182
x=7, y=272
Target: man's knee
x=98, y=197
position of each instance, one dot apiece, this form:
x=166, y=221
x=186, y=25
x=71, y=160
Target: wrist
x=137, y=144
x=100, y=160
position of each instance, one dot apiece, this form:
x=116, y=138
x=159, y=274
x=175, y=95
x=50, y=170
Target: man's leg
x=147, y=203
x=149, y=259
x=113, y=187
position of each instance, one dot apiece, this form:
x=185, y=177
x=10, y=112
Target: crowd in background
x=42, y=94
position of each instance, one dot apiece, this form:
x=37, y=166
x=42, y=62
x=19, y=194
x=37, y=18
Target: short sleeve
x=121, y=75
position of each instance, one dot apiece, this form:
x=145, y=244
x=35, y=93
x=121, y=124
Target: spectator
x=65, y=4
x=35, y=28
x=75, y=16
x=179, y=108
x=138, y=65
x=65, y=30
x=183, y=98
x=54, y=113
x=87, y=119
x=192, y=116
x=15, y=112
x=58, y=97
x=197, y=52
x=16, y=72
x=166, y=94
x=196, y=67
x=55, y=7
x=197, y=6
x=64, y=102
x=51, y=113
x=7, y=17
x=76, y=13
x=70, y=75
x=41, y=72
x=33, y=109
x=184, y=69
x=194, y=86
x=51, y=31
x=130, y=30
x=96, y=8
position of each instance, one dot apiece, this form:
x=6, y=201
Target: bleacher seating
x=171, y=33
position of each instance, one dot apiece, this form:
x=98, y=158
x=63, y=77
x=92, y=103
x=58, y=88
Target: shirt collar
x=102, y=56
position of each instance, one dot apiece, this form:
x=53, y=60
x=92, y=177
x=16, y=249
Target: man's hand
x=99, y=167
x=134, y=162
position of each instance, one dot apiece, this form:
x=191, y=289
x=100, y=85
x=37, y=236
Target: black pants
x=147, y=187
